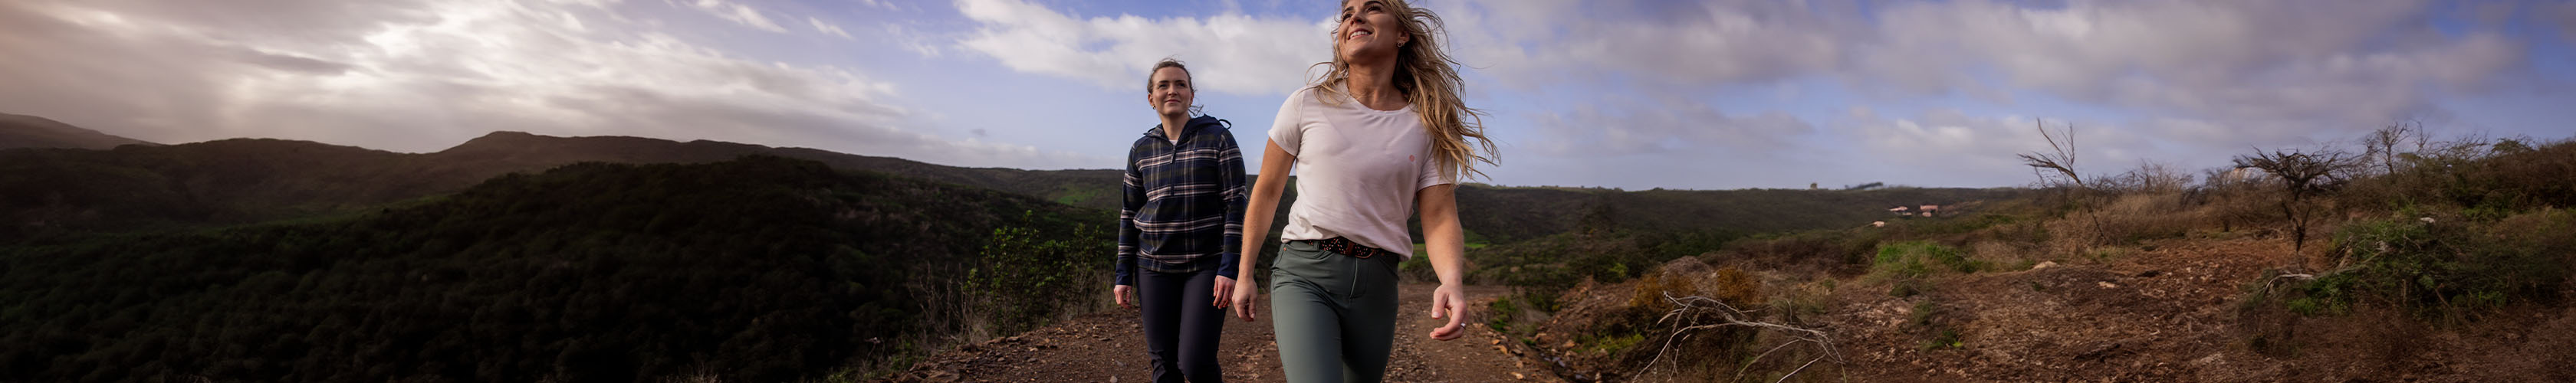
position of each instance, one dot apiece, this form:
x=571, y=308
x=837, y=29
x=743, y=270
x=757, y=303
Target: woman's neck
x=1373, y=85
x=1172, y=125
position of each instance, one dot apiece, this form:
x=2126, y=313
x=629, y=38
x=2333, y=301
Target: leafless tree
x=2059, y=164
x=2302, y=175
x=2382, y=145
x=2060, y=159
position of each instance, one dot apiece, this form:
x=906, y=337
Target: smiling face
x=1370, y=30
x=1169, y=91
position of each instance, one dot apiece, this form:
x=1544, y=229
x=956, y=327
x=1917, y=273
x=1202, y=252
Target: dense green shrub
x=2444, y=264
x=1030, y=276
x=1913, y=259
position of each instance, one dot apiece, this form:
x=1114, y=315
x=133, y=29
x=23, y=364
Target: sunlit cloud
x=390, y=76
x=1231, y=53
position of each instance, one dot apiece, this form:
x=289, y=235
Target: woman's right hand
x=1125, y=296
x=1242, y=301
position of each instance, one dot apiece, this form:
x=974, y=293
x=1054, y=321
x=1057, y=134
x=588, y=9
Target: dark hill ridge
x=250, y=180
x=508, y=149
x=1511, y=214
x=23, y=131
x=758, y=269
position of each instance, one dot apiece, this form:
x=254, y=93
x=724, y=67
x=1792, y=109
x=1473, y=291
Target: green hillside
x=759, y=269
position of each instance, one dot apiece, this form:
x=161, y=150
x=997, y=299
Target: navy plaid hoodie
x=1184, y=202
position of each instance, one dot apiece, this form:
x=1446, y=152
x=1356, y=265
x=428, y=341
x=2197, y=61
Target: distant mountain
x=759, y=269
x=516, y=151
x=22, y=131
x=250, y=180
x=1510, y=214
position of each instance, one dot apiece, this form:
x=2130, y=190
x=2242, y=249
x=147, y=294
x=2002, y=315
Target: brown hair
x=1167, y=63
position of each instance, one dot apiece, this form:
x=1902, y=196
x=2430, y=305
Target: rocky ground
x=2166, y=312
x=1109, y=347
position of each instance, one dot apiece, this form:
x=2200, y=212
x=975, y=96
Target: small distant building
x=2245, y=174
x=1928, y=209
x=1878, y=224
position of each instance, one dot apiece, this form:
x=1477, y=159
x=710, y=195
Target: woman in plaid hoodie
x=1179, y=231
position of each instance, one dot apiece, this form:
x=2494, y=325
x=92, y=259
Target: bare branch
x=1802, y=367
x=2061, y=160
x=1739, y=371
x=1691, y=308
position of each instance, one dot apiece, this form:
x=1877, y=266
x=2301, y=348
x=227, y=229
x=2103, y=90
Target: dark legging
x=1181, y=325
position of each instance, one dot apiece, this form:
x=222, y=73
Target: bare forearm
x=1448, y=248
x=1256, y=222
x=1275, y=165
x=1445, y=238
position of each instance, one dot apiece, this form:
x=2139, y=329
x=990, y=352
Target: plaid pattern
x=1184, y=201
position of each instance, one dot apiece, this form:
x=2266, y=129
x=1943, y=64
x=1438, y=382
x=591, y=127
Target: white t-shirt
x=1357, y=169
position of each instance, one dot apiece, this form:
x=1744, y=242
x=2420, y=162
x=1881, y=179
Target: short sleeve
x=1284, y=129
x=1432, y=174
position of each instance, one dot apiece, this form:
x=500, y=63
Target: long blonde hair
x=1429, y=80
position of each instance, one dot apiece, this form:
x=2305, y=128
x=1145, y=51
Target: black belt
x=1346, y=247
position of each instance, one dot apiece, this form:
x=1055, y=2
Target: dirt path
x=1110, y=347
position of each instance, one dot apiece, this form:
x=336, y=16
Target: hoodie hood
x=1192, y=127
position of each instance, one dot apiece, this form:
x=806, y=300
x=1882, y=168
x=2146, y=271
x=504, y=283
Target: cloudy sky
x=1633, y=94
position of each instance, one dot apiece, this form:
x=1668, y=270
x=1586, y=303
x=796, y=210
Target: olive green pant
x=1334, y=314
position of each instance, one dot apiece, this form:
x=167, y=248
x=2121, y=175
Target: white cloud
x=438, y=72
x=1623, y=126
x=2207, y=76
x=912, y=40
x=1946, y=145
x=2303, y=65
x=828, y=28
x=1710, y=42
x=1951, y=147
x=739, y=13
x=1229, y=53
x=2317, y=67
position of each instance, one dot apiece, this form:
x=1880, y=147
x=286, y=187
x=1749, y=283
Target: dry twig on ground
x=1691, y=311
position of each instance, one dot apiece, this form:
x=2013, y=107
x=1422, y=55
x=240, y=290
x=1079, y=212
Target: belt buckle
x=1355, y=249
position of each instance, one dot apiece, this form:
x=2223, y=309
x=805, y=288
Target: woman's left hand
x=1449, y=302
x=1224, y=291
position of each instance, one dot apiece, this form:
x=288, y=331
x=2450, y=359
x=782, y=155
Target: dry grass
x=1737, y=287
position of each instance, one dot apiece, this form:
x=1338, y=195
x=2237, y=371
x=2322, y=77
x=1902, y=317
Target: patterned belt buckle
x=1353, y=249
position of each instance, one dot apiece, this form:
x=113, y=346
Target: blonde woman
x=1380, y=137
